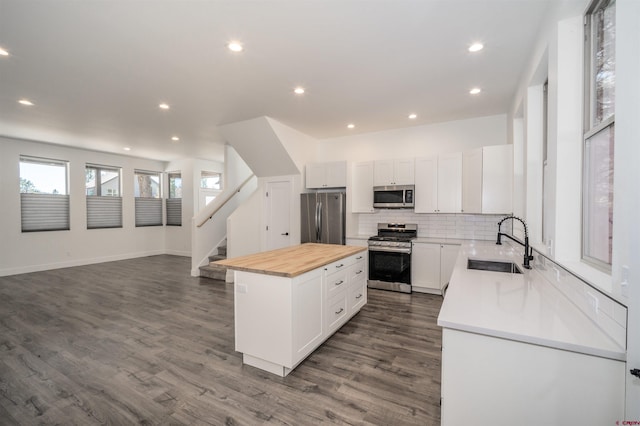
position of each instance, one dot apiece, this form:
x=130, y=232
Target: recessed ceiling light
x=475, y=47
x=298, y=90
x=126, y=148
x=26, y=102
x=413, y=116
x=475, y=91
x=3, y=52
x=235, y=46
x=175, y=138
x=164, y=106
x=350, y=126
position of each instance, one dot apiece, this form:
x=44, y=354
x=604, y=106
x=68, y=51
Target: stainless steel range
x=390, y=256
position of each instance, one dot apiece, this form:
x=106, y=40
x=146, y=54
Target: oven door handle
x=390, y=249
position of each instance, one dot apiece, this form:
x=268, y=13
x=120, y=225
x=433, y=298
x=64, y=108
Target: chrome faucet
x=528, y=252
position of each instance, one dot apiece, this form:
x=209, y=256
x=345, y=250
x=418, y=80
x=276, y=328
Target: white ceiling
x=97, y=70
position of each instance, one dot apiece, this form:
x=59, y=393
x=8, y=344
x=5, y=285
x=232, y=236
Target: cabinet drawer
x=336, y=282
x=357, y=271
x=339, y=265
x=336, y=313
x=357, y=295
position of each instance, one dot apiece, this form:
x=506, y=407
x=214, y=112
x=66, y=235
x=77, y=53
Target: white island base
x=279, y=320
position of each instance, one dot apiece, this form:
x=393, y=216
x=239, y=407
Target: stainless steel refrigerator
x=323, y=217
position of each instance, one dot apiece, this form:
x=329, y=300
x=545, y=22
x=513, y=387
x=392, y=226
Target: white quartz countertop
x=522, y=307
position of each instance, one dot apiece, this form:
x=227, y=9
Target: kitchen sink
x=491, y=265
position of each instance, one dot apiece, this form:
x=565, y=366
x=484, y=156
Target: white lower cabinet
x=279, y=321
x=492, y=381
x=431, y=266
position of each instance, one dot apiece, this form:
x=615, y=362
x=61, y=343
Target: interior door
x=278, y=214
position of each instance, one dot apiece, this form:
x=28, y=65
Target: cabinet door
x=307, y=316
x=450, y=183
x=336, y=174
x=426, y=181
x=404, y=172
x=315, y=175
x=362, y=187
x=472, y=181
x=497, y=178
x=383, y=173
x=425, y=267
x=448, y=257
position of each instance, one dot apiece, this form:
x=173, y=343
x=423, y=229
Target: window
x=147, y=190
x=210, y=180
x=599, y=136
x=44, y=198
x=210, y=186
x=104, y=203
x=174, y=202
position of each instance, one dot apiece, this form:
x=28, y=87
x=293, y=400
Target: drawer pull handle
x=340, y=311
x=339, y=282
x=359, y=296
x=359, y=257
x=359, y=272
x=340, y=265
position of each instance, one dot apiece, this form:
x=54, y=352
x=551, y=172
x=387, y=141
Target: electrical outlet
x=624, y=283
x=594, y=301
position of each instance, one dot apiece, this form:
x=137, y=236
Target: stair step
x=215, y=257
x=215, y=272
x=222, y=251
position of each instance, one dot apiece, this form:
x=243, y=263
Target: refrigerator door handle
x=319, y=223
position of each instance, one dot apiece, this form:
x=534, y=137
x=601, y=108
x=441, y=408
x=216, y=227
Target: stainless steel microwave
x=393, y=196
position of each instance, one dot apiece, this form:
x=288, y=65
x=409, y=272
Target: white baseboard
x=77, y=262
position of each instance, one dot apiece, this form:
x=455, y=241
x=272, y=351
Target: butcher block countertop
x=291, y=261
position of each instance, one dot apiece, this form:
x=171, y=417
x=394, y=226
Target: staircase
x=213, y=271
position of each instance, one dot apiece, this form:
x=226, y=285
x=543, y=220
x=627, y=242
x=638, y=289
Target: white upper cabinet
x=438, y=183
x=361, y=190
x=472, y=181
x=497, y=179
x=426, y=191
x=450, y=183
x=393, y=172
x=326, y=175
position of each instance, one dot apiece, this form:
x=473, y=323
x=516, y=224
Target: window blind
x=148, y=211
x=44, y=212
x=104, y=212
x=174, y=211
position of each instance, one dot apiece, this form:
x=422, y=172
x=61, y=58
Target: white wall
x=34, y=251
x=411, y=142
x=626, y=208
x=178, y=238
x=417, y=141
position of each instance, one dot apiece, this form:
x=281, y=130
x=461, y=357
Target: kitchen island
x=517, y=350
x=288, y=301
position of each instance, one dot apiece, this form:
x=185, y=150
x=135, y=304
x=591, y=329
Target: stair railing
x=225, y=200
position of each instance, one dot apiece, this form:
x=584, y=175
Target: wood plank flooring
x=141, y=342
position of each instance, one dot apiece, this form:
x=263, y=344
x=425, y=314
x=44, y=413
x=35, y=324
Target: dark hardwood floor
x=140, y=341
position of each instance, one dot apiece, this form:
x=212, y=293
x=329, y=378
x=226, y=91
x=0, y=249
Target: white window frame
x=173, y=203
x=104, y=210
x=593, y=127
x=43, y=211
x=148, y=210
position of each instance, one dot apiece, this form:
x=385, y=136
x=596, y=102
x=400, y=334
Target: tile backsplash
x=459, y=226
x=605, y=312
